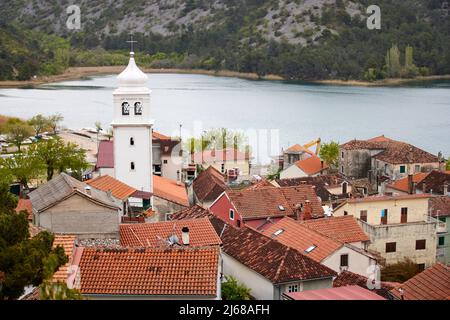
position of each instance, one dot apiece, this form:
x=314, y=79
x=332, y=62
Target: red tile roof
x=392, y=151
x=345, y=229
x=297, y=149
x=341, y=293
x=157, y=272
x=105, y=155
x=68, y=243
x=25, y=205
x=266, y=202
x=201, y=233
x=209, y=184
x=440, y=206
x=402, y=184
x=387, y=198
x=271, y=259
x=194, y=212
x=311, y=165
x=299, y=237
x=431, y=284
x=169, y=190
x=210, y=156
x=347, y=278
x=260, y=184
x=118, y=189
x=434, y=182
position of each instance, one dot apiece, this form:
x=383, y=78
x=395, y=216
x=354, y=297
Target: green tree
x=57, y=156
x=23, y=167
x=393, y=62
x=39, y=124
x=233, y=290
x=447, y=165
x=58, y=291
x=54, y=122
x=329, y=152
x=23, y=261
x=399, y=272
x=17, y=131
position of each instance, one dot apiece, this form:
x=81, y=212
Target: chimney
x=445, y=189
x=424, y=187
x=213, y=153
x=321, y=164
x=88, y=190
x=298, y=211
x=178, y=178
x=402, y=293
x=410, y=184
x=307, y=211
x=185, y=235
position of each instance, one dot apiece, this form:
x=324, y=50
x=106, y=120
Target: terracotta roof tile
x=431, y=284
x=154, y=272
x=118, y=189
x=394, y=152
x=209, y=184
x=345, y=229
x=347, y=278
x=387, y=198
x=266, y=202
x=434, y=182
x=260, y=184
x=68, y=243
x=194, y=212
x=298, y=148
x=311, y=165
x=271, y=259
x=25, y=205
x=440, y=206
x=169, y=190
x=340, y=293
x=402, y=184
x=201, y=233
x=299, y=237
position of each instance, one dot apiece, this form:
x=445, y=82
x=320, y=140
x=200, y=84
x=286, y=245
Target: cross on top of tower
x=132, y=42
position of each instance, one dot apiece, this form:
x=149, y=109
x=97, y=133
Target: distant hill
x=297, y=39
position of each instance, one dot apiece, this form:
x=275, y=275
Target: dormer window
x=138, y=108
x=125, y=109
x=131, y=141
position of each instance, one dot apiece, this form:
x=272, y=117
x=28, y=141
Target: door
x=384, y=216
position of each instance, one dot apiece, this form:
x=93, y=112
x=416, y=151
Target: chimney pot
x=445, y=189
x=185, y=235
x=88, y=190
x=410, y=184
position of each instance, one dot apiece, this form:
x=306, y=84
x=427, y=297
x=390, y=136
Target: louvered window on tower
x=132, y=166
x=132, y=141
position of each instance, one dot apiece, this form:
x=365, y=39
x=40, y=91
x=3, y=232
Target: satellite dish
x=173, y=239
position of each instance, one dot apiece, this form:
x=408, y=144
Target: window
x=231, y=214
x=441, y=241
x=385, y=168
x=417, y=168
x=293, y=288
x=404, y=215
x=342, y=169
x=420, y=244
x=384, y=216
x=278, y=232
x=391, y=247
x=342, y=155
x=238, y=223
x=308, y=250
x=363, y=215
x=345, y=213
x=131, y=141
x=223, y=168
x=402, y=169
x=344, y=260
x=125, y=109
x=165, y=161
x=421, y=266
x=138, y=108
x=344, y=187
x=132, y=166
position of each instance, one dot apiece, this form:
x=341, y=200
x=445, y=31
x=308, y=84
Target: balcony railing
x=441, y=227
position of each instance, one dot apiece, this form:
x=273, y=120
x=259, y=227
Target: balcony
x=441, y=227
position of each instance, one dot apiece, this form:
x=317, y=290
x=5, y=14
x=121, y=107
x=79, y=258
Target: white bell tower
x=132, y=127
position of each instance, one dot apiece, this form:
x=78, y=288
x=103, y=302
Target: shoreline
x=75, y=73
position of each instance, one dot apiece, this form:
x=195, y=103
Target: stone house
x=398, y=226
x=440, y=210
x=65, y=205
x=382, y=156
x=223, y=160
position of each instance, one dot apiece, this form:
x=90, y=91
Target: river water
x=273, y=113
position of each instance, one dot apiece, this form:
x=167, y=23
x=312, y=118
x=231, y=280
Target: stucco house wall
x=357, y=262
x=79, y=216
x=292, y=172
